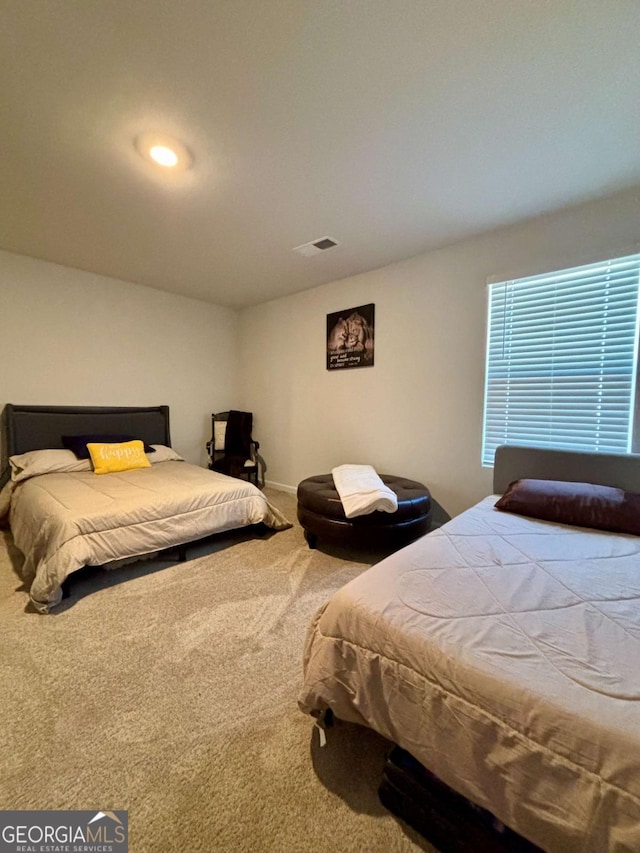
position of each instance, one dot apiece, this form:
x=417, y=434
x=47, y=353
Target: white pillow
x=219, y=433
x=36, y=462
x=164, y=454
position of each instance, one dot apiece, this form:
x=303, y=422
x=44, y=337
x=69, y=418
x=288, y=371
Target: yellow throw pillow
x=109, y=458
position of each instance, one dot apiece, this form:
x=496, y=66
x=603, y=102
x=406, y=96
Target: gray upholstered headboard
x=41, y=427
x=604, y=469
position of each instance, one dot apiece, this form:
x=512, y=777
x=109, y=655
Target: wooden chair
x=232, y=449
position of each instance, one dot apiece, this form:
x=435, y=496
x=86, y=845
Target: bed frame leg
x=182, y=553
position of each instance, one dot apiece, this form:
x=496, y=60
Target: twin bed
x=63, y=516
x=503, y=653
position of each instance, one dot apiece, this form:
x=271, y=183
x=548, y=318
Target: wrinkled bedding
x=64, y=521
x=504, y=654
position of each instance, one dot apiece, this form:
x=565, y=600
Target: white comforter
x=504, y=654
x=64, y=521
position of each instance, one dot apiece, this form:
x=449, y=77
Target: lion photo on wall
x=350, y=337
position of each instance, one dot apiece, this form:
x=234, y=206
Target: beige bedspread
x=504, y=654
x=62, y=522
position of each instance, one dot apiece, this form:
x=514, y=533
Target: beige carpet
x=169, y=689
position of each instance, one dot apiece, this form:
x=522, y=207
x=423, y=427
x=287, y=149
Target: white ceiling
x=393, y=126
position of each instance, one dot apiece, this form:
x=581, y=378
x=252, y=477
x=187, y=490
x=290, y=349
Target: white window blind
x=562, y=359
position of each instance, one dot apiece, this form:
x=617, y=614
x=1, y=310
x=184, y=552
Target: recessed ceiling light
x=164, y=151
x=163, y=155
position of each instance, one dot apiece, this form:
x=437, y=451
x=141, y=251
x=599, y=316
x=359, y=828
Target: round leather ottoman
x=321, y=514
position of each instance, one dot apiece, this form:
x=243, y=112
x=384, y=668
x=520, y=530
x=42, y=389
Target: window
x=562, y=359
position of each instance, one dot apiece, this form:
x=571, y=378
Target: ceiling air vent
x=316, y=246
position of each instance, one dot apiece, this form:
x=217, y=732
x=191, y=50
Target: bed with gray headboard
x=607, y=469
x=64, y=514
x=502, y=650
x=27, y=428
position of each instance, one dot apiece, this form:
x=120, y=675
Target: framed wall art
x=350, y=337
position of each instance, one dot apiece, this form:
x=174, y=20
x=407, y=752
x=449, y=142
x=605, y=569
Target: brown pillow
x=583, y=504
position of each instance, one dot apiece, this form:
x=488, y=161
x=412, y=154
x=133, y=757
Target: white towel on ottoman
x=362, y=491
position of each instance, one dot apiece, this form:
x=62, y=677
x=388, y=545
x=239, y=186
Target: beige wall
x=418, y=411
x=69, y=337
x=72, y=338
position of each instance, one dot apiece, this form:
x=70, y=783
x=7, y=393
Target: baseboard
x=281, y=487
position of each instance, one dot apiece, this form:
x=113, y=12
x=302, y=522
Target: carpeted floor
x=169, y=689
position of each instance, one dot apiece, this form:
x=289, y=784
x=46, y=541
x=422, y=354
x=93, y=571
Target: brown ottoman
x=321, y=514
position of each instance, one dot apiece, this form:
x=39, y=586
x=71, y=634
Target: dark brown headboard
x=41, y=427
